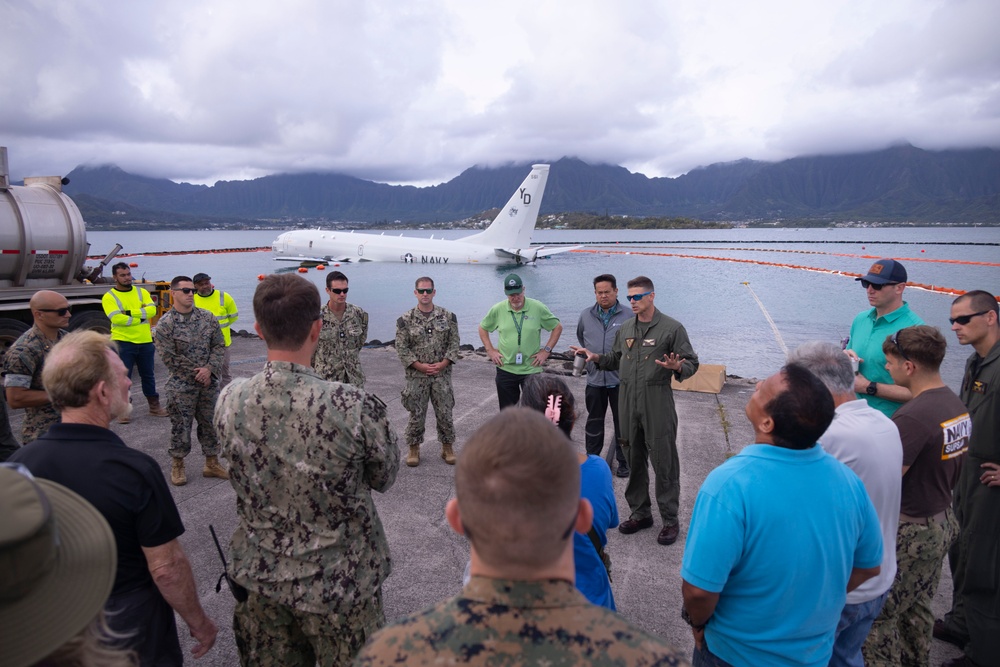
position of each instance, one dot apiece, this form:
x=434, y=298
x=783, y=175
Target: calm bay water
x=726, y=324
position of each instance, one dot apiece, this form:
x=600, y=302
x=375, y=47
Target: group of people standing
x=791, y=558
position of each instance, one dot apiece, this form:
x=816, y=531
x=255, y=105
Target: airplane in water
x=506, y=241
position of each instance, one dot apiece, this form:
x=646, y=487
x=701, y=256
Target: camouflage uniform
x=304, y=455
x=340, y=341
x=901, y=635
x=428, y=338
x=505, y=622
x=186, y=342
x=23, y=368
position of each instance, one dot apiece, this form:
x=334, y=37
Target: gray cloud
x=200, y=90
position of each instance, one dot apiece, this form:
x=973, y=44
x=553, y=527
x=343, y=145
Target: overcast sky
x=415, y=91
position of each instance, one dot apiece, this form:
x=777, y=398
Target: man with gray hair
x=867, y=442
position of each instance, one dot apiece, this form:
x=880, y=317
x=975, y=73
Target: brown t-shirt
x=935, y=429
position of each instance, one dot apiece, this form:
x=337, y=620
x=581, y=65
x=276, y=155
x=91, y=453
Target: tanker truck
x=43, y=245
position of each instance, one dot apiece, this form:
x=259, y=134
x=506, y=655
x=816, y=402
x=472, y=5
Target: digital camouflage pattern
x=304, y=455
x=338, y=355
x=186, y=342
x=902, y=633
x=428, y=338
x=22, y=367
x=267, y=633
x=500, y=622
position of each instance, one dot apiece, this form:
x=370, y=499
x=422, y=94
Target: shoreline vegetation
x=568, y=221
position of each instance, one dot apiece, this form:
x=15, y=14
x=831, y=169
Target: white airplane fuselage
x=506, y=241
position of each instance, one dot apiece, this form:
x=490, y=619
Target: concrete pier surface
x=428, y=557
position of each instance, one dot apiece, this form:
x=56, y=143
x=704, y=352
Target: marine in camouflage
x=901, y=635
x=186, y=342
x=507, y=622
x=268, y=633
x=304, y=456
x=22, y=367
x=338, y=354
x=428, y=338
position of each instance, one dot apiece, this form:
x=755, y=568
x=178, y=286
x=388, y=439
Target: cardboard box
x=710, y=379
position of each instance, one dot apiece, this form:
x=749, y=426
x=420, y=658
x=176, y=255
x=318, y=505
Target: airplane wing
x=321, y=260
x=529, y=255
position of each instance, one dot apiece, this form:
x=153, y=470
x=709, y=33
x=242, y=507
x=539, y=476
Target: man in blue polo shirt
x=779, y=534
x=884, y=284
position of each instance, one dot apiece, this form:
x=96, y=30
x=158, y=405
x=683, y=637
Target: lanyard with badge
x=518, y=358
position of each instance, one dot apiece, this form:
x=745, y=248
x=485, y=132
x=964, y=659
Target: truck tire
x=10, y=331
x=94, y=320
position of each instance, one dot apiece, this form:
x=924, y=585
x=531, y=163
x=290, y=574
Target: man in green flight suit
x=649, y=351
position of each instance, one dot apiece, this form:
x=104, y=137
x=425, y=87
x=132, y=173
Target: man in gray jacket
x=596, y=331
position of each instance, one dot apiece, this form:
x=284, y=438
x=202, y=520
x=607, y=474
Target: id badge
x=518, y=358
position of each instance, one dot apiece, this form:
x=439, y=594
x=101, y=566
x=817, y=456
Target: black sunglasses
x=425, y=290
x=875, y=286
x=337, y=290
x=186, y=290
x=57, y=311
x=899, y=348
x=965, y=319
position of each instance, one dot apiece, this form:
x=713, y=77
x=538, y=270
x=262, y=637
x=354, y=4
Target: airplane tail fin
x=513, y=226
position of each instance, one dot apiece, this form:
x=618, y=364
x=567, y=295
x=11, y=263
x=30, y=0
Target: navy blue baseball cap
x=885, y=272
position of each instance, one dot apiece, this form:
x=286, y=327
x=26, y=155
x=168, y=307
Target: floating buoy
x=320, y=267
x=862, y=247
x=336, y=264
x=303, y=269
x=133, y=264
x=260, y=276
x=922, y=250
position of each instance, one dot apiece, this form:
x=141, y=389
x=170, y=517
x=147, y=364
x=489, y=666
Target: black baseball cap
x=884, y=272
x=198, y=277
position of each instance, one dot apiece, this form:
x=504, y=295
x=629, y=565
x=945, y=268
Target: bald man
x=22, y=368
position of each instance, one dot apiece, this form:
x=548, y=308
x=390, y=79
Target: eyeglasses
x=336, y=290
x=965, y=319
x=58, y=311
x=425, y=290
x=875, y=286
x=637, y=297
x=899, y=348
x=185, y=290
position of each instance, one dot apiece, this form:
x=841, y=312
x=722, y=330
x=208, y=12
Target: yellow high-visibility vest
x=130, y=313
x=223, y=307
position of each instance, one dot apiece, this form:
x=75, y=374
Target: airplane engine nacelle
x=527, y=256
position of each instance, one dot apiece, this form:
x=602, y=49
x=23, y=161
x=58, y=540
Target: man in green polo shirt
x=519, y=352
x=884, y=284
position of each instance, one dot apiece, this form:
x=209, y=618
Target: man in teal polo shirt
x=519, y=352
x=884, y=283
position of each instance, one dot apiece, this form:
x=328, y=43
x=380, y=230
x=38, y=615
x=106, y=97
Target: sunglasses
x=965, y=319
x=425, y=290
x=875, y=286
x=185, y=290
x=336, y=290
x=899, y=348
x=57, y=311
x=637, y=297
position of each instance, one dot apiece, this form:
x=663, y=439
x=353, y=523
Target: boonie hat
x=885, y=271
x=512, y=284
x=198, y=277
x=57, y=565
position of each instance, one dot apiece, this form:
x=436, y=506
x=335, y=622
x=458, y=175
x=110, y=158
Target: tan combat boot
x=214, y=469
x=124, y=420
x=177, y=476
x=447, y=453
x=413, y=460
x=154, y=407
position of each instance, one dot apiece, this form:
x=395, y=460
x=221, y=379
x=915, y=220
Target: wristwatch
x=687, y=619
x=872, y=389
x=547, y=349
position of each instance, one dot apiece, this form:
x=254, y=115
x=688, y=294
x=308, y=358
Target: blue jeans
x=143, y=356
x=702, y=657
x=852, y=630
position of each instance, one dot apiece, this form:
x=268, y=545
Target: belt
x=923, y=520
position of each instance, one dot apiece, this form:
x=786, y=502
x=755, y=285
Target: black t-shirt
x=935, y=429
x=125, y=485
